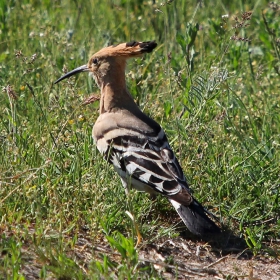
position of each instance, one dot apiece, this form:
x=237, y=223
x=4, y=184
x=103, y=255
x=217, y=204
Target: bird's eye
x=95, y=61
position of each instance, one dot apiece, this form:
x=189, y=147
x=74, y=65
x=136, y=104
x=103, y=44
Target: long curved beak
x=80, y=69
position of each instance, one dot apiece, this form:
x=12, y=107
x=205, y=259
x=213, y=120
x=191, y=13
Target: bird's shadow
x=223, y=243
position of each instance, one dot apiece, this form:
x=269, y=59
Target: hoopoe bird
x=134, y=143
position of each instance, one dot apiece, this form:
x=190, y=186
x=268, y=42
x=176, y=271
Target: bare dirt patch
x=176, y=258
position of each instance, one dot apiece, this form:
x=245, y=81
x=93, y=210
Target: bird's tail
x=196, y=219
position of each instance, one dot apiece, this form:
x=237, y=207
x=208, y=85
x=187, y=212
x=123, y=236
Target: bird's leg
x=130, y=213
x=139, y=236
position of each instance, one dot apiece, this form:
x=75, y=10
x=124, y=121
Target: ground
x=179, y=258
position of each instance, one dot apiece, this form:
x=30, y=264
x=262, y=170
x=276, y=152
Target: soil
x=176, y=258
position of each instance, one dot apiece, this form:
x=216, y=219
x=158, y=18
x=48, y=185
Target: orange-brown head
x=108, y=64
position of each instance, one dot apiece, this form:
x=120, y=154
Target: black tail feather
x=196, y=219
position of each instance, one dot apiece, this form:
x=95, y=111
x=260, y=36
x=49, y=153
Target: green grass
x=212, y=83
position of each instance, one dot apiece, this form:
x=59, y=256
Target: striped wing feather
x=150, y=161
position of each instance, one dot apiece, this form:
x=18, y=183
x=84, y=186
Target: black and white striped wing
x=149, y=161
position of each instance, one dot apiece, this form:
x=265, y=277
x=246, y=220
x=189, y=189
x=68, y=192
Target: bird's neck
x=115, y=96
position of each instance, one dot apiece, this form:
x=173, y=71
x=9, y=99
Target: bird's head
x=110, y=62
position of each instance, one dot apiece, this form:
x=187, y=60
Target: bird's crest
x=129, y=49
